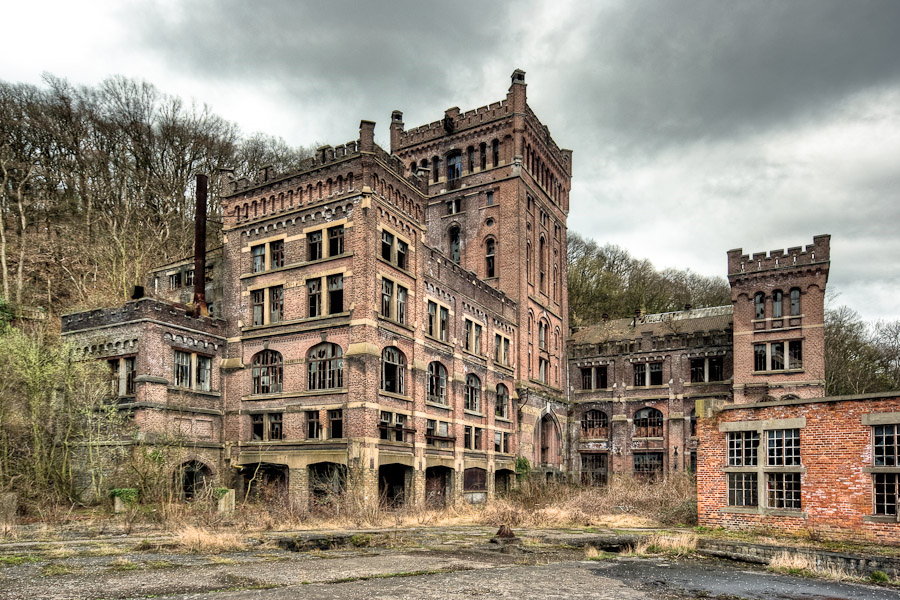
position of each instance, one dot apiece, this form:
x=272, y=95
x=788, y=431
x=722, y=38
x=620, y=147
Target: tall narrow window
x=387, y=246
x=204, y=373
x=437, y=383
x=542, y=265
x=453, y=235
x=489, y=248
x=267, y=372
x=470, y=159
x=336, y=423
x=444, y=324
x=501, y=410
x=276, y=303
x=777, y=304
x=454, y=166
x=182, y=369
x=401, y=304
x=314, y=245
x=326, y=367
x=258, y=256
x=393, y=365
x=432, y=319
x=795, y=302
x=336, y=240
x=482, y=155
x=314, y=297
x=313, y=425
x=258, y=302
x=495, y=153
x=387, y=295
x=335, y=293
x=473, y=393
x=276, y=254
x=759, y=305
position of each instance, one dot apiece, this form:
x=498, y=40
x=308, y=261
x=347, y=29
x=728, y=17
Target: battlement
x=460, y=121
x=560, y=154
x=817, y=253
x=143, y=309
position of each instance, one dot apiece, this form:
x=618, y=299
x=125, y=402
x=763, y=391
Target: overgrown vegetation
x=608, y=280
x=860, y=357
x=96, y=186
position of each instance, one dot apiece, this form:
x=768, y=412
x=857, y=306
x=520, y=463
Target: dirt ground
x=421, y=563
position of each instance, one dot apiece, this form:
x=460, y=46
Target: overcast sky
x=697, y=126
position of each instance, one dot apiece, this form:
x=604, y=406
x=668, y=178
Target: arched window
x=648, y=422
x=542, y=334
x=470, y=159
x=795, y=302
x=777, y=304
x=759, y=304
x=594, y=424
x=453, y=235
x=326, y=367
x=473, y=393
x=495, y=153
x=693, y=418
x=482, y=155
x=435, y=169
x=489, y=250
x=502, y=407
x=437, y=383
x=528, y=259
x=454, y=165
x=542, y=264
x=393, y=365
x=267, y=372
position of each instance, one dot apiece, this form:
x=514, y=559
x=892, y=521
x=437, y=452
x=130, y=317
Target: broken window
x=783, y=490
x=336, y=240
x=314, y=245
x=473, y=393
x=387, y=297
x=887, y=446
x=392, y=426
x=489, y=249
x=743, y=448
x=648, y=422
x=454, y=166
x=314, y=297
x=182, y=369
x=470, y=159
x=501, y=350
x=453, y=235
x=742, y=489
x=887, y=493
x=257, y=427
x=336, y=423
x=204, y=373
x=393, y=365
x=795, y=302
x=595, y=424
x=777, y=304
x=258, y=302
x=771, y=356
x=707, y=369
x=267, y=372
x=495, y=153
x=313, y=426
x=393, y=301
x=437, y=383
x=759, y=305
x=594, y=378
x=542, y=334
x=326, y=367
x=258, y=258
x=335, y=293
x=276, y=431
x=474, y=480
x=543, y=370
x=122, y=375
x=276, y=304
x=648, y=466
x=656, y=373
x=174, y=280
x=501, y=410
x=783, y=447
x=387, y=246
x=276, y=254
x=472, y=341
x=482, y=155
x=886, y=462
x=594, y=468
x=437, y=434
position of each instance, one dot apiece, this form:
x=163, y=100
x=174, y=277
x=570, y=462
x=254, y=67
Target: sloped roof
x=715, y=318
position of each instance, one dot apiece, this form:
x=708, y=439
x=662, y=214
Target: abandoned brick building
x=392, y=320
x=396, y=322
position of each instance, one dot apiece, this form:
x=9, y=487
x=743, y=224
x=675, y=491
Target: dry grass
x=679, y=544
x=793, y=563
x=197, y=539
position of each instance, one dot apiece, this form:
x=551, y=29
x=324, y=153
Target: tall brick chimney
x=367, y=136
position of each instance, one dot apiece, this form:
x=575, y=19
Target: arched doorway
x=193, y=477
x=438, y=486
x=550, y=451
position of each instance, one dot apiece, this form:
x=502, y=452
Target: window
x=333, y=301
x=743, y=449
x=314, y=245
x=326, y=367
x=795, y=302
x=335, y=240
x=174, y=280
x=335, y=293
x=648, y=422
x=336, y=423
x=501, y=442
x=470, y=159
x=495, y=153
x=122, y=375
x=594, y=424
x=437, y=434
x=543, y=370
x=392, y=427
x=647, y=374
x=777, y=304
x=887, y=492
x=489, y=198
x=482, y=155
x=204, y=373
x=189, y=277
x=594, y=378
x=393, y=365
x=759, y=305
x=276, y=254
x=454, y=206
x=742, y=489
x=267, y=305
x=267, y=372
x=437, y=383
x=182, y=369
x=474, y=480
x=542, y=334
x=473, y=393
x=453, y=235
x=501, y=350
x=707, y=369
x=314, y=297
x=393, y=301
x=783, y=490
x=472, y=437
x=473, y=337
x=648, y=466
x=594, y=468
x=454, y=166
x=489, y=249
x=394, y=250
x=771, y=356
x=886, y=464
x=266, y=427
x=313, y=425
x=501, y=409
x=887, y=446
x=438, y=321
x=258, y=261
x=783, y=447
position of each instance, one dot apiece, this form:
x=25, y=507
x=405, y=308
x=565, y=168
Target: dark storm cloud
x=660, y=73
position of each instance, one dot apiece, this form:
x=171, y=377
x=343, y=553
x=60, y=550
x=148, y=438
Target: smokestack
x=200, y=307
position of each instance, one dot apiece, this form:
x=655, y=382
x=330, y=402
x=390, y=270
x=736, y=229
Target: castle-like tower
x=779, y=321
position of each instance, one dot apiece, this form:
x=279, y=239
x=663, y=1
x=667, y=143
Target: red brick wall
x=835, y=449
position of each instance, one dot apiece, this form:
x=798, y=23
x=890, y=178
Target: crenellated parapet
x=816, y=254
x=142, y=310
